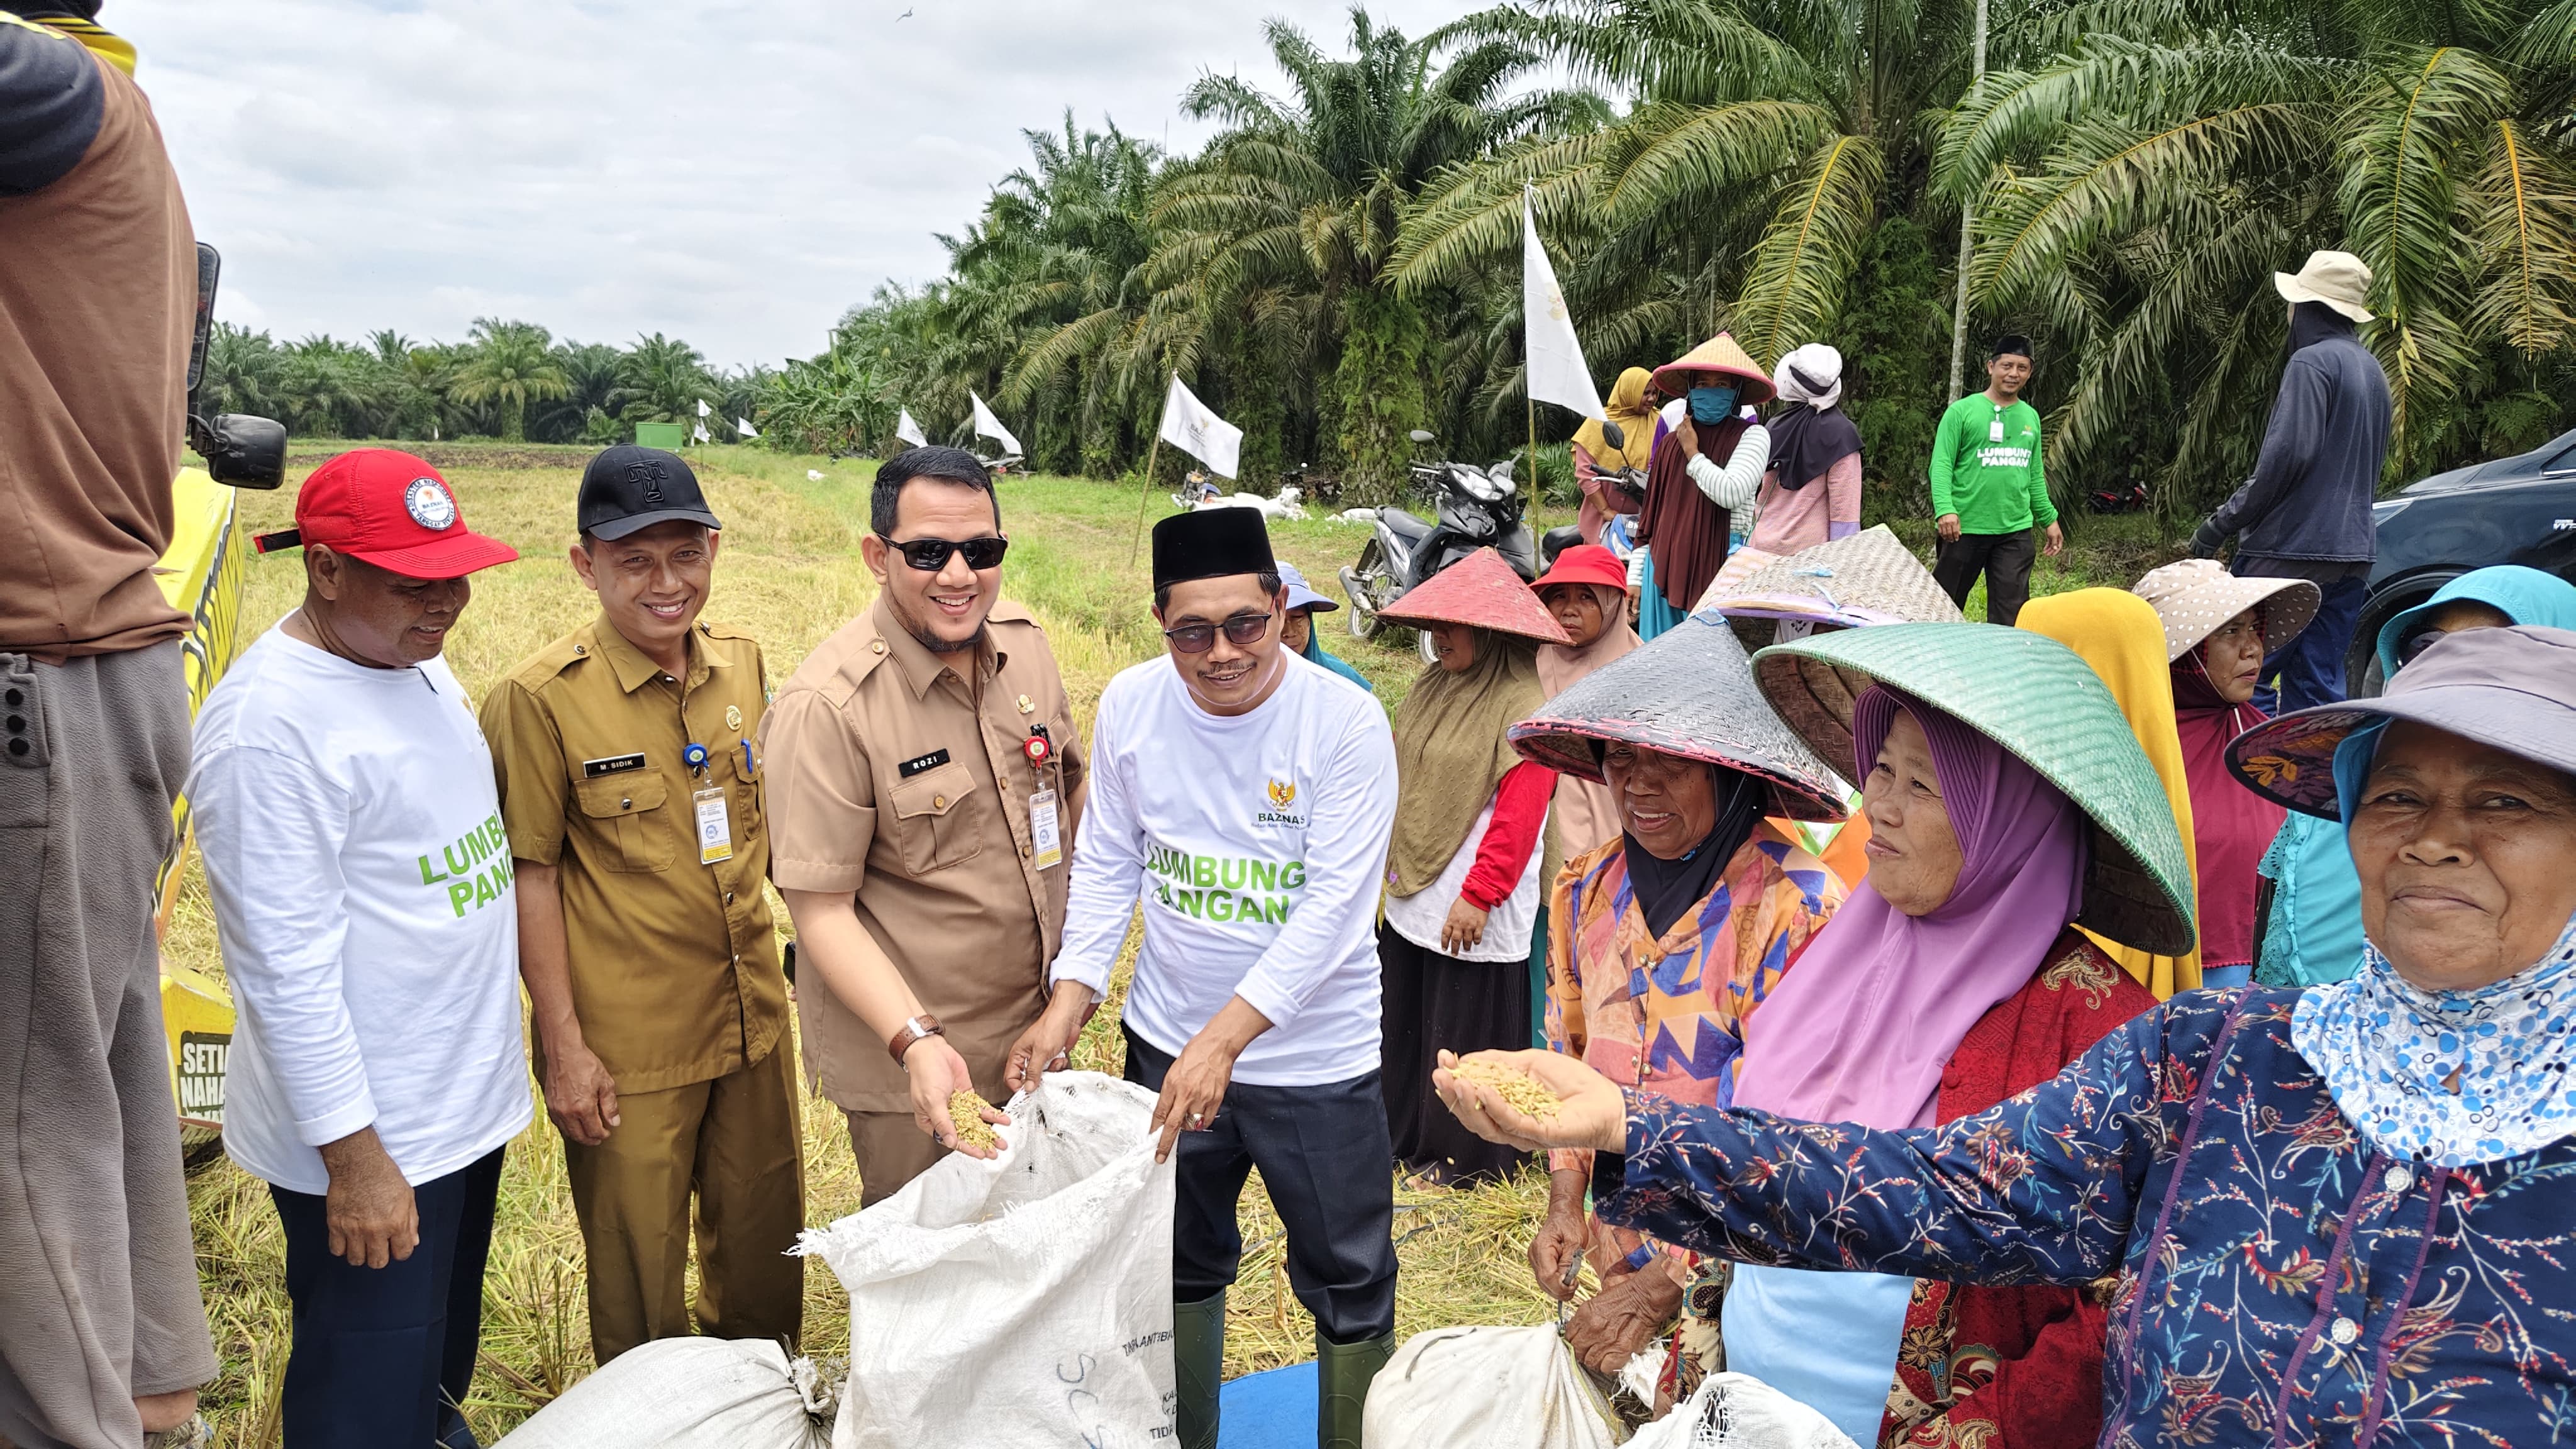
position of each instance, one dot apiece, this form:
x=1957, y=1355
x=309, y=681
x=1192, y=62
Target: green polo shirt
x=1995, y=486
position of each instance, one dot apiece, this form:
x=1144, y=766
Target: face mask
x=1711, y=404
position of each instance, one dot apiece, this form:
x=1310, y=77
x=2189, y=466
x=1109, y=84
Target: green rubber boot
x=1198, y=1369
x=1342, y=1375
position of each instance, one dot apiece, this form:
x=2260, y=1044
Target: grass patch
x=789, y=572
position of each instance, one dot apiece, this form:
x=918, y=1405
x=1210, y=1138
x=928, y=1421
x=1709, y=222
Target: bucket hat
x=1300, y=595
x=1687, y=692
x=2514, y=689
x=1481, y=590
x=2338, y=279
x=1584, y=563
x=1869, y=578
x=1719, y=354
x=2041, y=701
x=2195, y=597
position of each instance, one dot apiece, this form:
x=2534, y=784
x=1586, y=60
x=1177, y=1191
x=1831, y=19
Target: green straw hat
x=2041, y=701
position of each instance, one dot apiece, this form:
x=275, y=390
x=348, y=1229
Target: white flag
x=989, y=426
x=699, y=432
x=1194, y=428
x=909, y=431
x=702, y=407
x=744, y=427
x=1556, y=373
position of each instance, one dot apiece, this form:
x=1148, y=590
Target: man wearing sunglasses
x=1245, y=795
x=923, y=782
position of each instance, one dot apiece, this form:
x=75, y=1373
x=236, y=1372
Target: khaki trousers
x=892, y=1149
x=734, y=1142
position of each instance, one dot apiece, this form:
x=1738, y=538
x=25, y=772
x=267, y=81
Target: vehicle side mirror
x=1420, y=435
x=1614, y=435
x=1502, y=471
x=241, y=450
x=210, y=266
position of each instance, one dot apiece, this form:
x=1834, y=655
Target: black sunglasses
x=1242, y=631
x=2418, y=642
x=930, y=555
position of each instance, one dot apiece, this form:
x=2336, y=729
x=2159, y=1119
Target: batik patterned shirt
x=2280, y=1282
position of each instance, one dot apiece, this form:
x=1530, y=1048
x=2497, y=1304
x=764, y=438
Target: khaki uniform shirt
x=674, y=963
x=896, y=778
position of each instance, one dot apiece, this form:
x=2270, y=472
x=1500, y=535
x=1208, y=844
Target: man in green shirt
x=1988, y=488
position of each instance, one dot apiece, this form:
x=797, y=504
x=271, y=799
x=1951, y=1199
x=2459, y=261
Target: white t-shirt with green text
x=1255, y=843
x=362, y=892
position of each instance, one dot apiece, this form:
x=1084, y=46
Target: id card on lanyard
x=715, y=826
x=1995, y=429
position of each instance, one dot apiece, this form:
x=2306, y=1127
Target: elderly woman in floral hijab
x=2338, y=1216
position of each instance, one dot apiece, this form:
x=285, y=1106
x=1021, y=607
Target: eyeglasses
x=2418, y=642
x=1242, y=631
x=930, y=555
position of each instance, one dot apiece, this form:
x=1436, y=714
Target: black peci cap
x=2011, y=344
x=1209, y=543
x=627, y=488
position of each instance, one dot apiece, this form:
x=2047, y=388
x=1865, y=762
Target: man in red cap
x=362, y=889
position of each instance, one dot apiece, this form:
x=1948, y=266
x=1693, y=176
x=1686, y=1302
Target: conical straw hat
x=1689, y=692
x=2038, y=699
x=1482, y=590
x=1720, y=354
x=1869, y=578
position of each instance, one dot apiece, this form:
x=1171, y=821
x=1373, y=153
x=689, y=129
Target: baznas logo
x=1282, y=794
x=429, y=504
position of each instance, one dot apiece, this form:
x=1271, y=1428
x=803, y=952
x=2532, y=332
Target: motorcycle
x=2132, y=499
x=1472, y=508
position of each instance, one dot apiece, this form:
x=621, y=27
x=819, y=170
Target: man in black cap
x=1245, y=795
x=1989, y=488
x=630, y=789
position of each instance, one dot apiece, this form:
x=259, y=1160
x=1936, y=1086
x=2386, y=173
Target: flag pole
x=1533, y=449
x=1151, y=455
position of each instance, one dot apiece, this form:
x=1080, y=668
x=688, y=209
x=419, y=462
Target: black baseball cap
x=627, y=488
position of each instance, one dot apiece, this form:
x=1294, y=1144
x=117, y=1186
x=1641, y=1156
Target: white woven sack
x=1485, y=1388
x=688, y=1393
x=1739, y=1411
x=1021, y=1303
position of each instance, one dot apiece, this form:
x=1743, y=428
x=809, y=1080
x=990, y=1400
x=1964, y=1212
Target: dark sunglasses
x=930, y=555
x=2418, y=642
x=1242, y=631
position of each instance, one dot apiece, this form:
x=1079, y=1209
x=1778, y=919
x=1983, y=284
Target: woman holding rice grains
x=1462, y=885
x=2337, y=1216
x=2218, y=631
x=1666, y=937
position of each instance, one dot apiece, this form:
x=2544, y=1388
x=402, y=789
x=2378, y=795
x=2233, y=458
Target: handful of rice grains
x=1519, y=1090
x=966, y=1114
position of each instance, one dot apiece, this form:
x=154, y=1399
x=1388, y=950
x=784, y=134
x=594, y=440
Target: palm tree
x=661, y=380
x=511, y=365
x=1273, y=248
x=2141, y=183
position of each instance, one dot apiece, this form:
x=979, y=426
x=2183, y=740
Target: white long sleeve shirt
x=1256, y=844
x=362, y=892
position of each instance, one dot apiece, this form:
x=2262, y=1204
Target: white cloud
x=736, y=173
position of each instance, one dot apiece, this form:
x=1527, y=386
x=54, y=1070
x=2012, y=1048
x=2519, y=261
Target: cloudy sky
x=734, y=173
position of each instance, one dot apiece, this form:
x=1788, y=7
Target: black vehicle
x=1474, y=507
x=2518, y=510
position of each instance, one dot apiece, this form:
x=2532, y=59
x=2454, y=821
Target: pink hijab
x=1860, y=1028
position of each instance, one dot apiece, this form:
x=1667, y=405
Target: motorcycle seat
x=1402, y=524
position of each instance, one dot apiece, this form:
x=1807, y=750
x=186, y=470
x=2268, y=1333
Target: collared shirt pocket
x=628, y=821
x=931, y=823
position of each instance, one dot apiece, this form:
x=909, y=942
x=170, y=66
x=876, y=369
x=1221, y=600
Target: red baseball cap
x=1585, y=563
x=392, y=510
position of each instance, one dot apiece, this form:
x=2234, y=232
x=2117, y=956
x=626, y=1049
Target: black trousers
x=2004, y=558
x=1434, y=1003
x=1323, y=1157
x=382, y=1356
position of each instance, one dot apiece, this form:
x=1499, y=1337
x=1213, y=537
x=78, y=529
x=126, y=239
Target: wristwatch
x=914, y=1029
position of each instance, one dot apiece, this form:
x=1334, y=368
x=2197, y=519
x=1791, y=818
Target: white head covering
x=1812, y=374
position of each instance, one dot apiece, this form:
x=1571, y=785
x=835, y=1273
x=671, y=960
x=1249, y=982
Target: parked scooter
x=1473, y=507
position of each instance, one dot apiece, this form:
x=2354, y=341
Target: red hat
x=392, y=510
x=1584, y=563
x=1480, y=590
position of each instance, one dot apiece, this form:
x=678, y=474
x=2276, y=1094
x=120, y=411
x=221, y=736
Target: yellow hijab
x=2120, y=635
x=1626, y=407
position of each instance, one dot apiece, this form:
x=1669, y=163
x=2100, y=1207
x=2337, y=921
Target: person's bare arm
x=832, y=944
x=1195, y=1086
x=580, y=1094
x=369, y=1209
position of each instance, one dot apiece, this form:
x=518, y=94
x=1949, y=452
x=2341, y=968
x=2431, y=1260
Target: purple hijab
x=1860, y=1028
